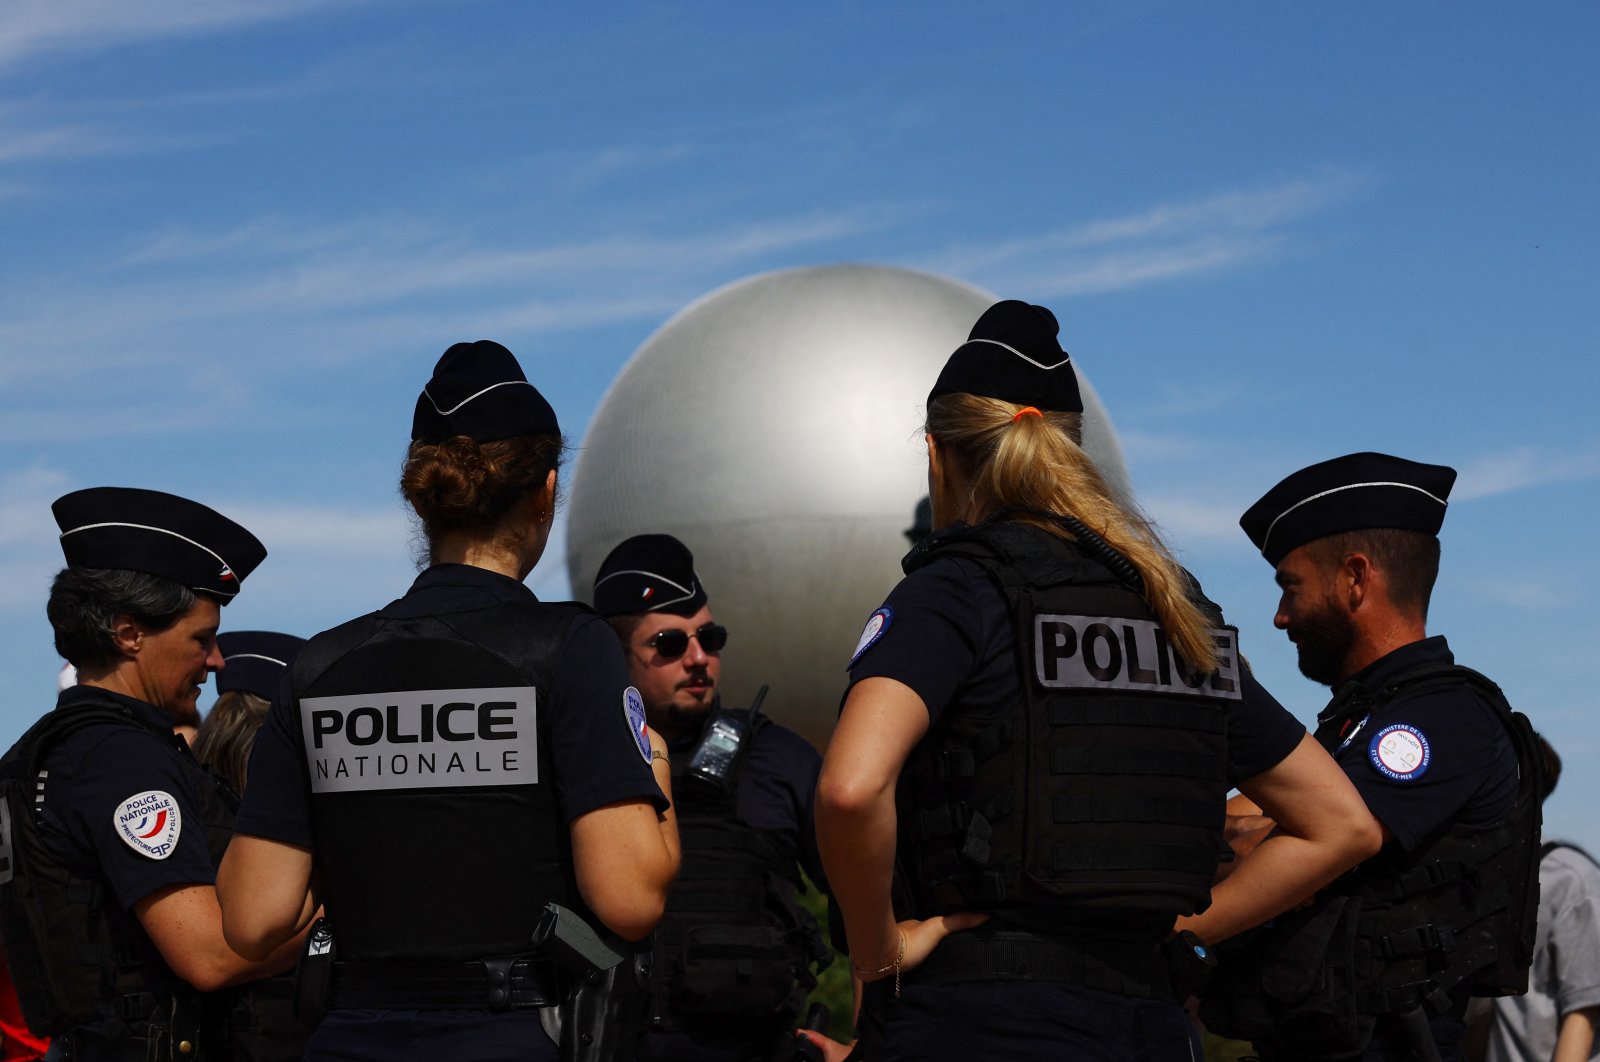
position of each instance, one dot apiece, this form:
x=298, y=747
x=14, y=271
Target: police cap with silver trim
x=1013, y=354
x=648, y=573
x=480, y=391
x=254, y=661
x=160, y=534
x=1350, y=493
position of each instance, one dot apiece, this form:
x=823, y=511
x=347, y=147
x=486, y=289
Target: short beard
x=1325, y=641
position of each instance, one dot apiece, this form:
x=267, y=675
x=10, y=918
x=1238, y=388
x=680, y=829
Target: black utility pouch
x=313, y=977
x=734, y=970
x=1292, y=981
x=1308, y=977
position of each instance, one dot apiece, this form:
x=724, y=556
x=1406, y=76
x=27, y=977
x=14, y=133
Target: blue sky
x=235, y=235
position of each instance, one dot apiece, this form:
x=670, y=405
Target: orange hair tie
x=1024, y=411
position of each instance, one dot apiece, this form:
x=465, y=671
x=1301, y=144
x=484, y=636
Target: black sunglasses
x=673, y=644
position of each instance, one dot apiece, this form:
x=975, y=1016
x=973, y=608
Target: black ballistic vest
x=430, y=762
x=1096, y=799
x=79, y=961
x=1457, y=915
x=733, y=952
x=1454, y=918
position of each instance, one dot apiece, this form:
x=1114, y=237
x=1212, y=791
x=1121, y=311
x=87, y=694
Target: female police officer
x=109, y=829
x=1041, y=728
x=451, y=763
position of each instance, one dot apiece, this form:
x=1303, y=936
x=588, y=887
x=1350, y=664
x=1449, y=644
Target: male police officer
x=110, y=832
x=1382, y=963
x=734, y=949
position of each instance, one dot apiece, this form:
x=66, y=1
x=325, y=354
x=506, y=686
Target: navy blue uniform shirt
x=120, y=803
x=597, y=760
x=951, y=639
x=1428, y=759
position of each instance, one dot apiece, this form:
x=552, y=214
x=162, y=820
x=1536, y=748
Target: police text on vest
x=421, y=739
x=1115, y=653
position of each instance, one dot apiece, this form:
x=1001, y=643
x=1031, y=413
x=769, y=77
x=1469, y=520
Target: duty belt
x=1129, y=968
x=488, y=984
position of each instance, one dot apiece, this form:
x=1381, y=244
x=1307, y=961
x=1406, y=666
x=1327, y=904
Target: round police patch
x=633, y=709
x=1400, y=751
x=149, y=823
x=877, y=624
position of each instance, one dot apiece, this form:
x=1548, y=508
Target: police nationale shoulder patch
x=633, y=709
x=149, y=823
x=1400, y=751
x=877, y=624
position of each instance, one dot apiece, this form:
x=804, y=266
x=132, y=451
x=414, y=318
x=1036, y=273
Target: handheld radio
x=714, y=766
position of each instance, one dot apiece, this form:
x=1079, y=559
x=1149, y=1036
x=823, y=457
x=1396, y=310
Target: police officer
x=453, y=762
x=1445, y=911
x=257, y=662
x=734, y=951
x=111, y=829
x=1041, y=727
x=262, y=1024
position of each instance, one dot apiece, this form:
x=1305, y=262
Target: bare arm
x=1575, y=1042
x=266, y=894
x=185, y=924
x=1323, y=829
x=881, y=722
x=625, y=857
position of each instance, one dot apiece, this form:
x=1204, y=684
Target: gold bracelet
x=899, y=957
x=658, y=754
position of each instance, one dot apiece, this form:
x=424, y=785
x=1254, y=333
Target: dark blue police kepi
x=1350, y=493
x=1014, y=354
x=648, y=573
x=478, y=390
x=159, y=534
x=255, y=661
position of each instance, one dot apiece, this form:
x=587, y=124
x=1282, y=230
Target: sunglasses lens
x=671, y=644
x=712, y=637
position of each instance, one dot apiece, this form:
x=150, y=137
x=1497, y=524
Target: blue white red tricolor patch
x=149, y=823
x=1400, y=751
x=633, y=709
x=877, y=624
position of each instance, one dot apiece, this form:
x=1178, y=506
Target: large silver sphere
x=774, y=427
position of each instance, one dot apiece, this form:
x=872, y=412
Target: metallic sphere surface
x=774, y=426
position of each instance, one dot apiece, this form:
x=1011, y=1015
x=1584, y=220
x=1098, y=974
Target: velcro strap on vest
x=1119, y=966
x=1202, y=813
x=1077, y=759
x=1121, y=856
x=492, y=984
x=963, y=890
x=1418, y=880
x=1402, y=998
x=1124, y=712
x=946, y=819
x=1418, y=940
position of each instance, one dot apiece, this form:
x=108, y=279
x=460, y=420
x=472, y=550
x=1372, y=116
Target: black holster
x=603, y=1011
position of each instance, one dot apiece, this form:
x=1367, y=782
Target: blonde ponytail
x=1012, y=461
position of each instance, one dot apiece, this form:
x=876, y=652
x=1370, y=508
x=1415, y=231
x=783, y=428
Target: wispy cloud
x=1523, y=593
x=1166, y=241
x=377, y=264
x=28, y=535
x=33, y=27
x=1525, y=466
x=1185, y=520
